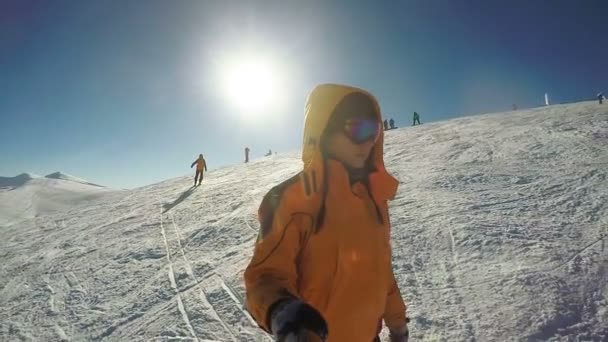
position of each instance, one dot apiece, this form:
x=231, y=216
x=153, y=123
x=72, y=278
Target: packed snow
x=499, y=231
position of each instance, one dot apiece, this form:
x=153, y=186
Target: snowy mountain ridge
x=28, y=195
x=66, y=177
x=21, y=179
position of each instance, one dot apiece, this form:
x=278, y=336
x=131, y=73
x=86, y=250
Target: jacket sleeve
x=272, y=273
x=394, y=310
x=205, y=163
x=193, y=163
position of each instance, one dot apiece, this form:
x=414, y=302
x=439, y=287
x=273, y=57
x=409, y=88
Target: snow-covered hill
x=27, y=195
x=499, y=234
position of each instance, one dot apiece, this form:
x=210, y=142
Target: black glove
x=396, y=336
x=292, y=319
x=401, y=335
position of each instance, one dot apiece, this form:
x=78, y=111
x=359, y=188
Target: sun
x=251, y=84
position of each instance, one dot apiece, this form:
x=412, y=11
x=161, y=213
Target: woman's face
x=344, y=150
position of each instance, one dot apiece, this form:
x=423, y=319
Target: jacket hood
x=320, y=107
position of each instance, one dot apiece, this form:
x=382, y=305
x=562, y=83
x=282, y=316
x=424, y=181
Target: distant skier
x=392, y=123
x=416, y=119
x=201, y=166
x=246, y=154
x=385, y=122
x=268, y=154
x=600, y=98
x=321, y=267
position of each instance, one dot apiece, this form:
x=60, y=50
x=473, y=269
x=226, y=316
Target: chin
x=359, y=165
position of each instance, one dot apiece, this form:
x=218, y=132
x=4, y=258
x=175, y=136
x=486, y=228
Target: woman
x=321, y=268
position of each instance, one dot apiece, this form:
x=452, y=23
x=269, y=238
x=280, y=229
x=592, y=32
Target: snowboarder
x=385, y=123
x=416, y=119
x=269, y=153
x=600, y=98
x=321, y=268
x=392, y=123
x=201, y=165
x=246, y=154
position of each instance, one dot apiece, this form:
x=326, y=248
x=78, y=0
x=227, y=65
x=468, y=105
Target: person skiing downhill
x=201, y=165
x=321, y=267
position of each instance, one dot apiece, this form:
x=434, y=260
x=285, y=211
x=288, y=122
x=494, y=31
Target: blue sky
x=128, y=93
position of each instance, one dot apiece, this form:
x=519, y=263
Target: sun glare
x=251, y=84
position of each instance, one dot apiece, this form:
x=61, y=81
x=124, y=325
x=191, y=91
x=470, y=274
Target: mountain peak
x=66, y=177
x=26, y=176
x=17, y=180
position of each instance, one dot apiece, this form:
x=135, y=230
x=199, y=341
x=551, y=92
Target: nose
x=366, y=145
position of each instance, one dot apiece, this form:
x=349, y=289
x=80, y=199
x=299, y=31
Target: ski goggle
x=360, y=131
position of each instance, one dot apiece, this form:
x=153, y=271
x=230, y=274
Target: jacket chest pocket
x=363, y=249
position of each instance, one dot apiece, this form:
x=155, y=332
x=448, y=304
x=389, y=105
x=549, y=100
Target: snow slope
x=26, y=195
x=499, y=233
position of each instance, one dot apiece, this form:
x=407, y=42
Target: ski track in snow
x=180, y=303
x=221, y=301
x=499, y=233
x=203, y=295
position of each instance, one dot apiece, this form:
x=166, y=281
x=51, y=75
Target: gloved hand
x=292, y=319
x=399, y=335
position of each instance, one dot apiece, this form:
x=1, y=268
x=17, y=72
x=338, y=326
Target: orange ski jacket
x=327, y=242
x=200, y=164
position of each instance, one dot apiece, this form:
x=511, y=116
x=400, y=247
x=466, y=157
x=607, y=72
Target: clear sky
x=127, y=93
